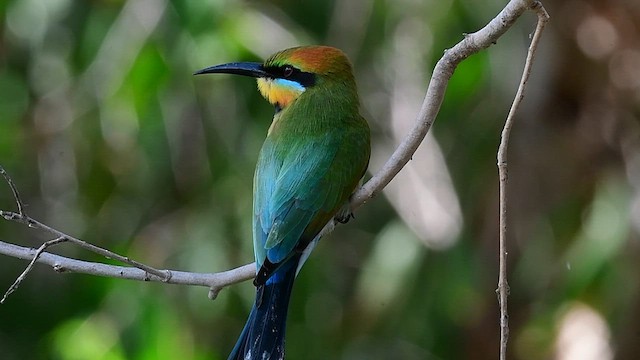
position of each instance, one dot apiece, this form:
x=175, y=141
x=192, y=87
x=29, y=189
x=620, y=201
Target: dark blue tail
x=263, y=334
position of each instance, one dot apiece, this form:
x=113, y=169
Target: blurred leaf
x=93, y=338
x=604, y=232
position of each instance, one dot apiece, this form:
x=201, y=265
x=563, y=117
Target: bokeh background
x=111, y=139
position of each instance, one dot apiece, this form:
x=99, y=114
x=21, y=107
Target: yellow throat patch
x=279, y=92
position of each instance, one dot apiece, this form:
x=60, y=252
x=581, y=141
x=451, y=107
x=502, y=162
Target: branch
x=61, y=264
x=37, y=255
x=23, y=218
x=35, y=224
x=503, y=286
x=471, y=44
x=14, y=190
x=136, y=270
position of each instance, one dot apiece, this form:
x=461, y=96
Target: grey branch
x=14, y=190
x=503, y=285
x=26, y=271
x=35, y=224
x=61, y=264
x=471, y=44
x=136, y=270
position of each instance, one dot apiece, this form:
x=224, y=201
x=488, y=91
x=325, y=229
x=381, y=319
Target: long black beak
x=239, y=68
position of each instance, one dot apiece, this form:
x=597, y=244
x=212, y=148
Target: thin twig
x=26, y=271
x=35, y=224
x=14, y=190
x=23, y=218
x=503, y=285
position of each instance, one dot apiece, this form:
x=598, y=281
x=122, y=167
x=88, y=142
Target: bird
x=315, y=155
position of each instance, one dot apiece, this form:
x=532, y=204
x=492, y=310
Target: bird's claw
x=344, y=218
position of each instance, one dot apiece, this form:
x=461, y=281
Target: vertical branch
x=503, y=286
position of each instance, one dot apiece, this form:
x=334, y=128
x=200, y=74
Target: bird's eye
x=288, y=70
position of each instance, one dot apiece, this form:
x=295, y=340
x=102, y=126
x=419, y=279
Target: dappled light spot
x=596, y=37
x=583, y=334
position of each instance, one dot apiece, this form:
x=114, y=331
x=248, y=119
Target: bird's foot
x=344, y=217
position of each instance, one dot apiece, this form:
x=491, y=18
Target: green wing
x=298, y=187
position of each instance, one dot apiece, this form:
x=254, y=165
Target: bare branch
x=37, y=255
x=23, y=218
x=14, y=190
x=503, y=286
x=35, y=224
x=471, y=44
x=61, y=264
x=138, y=271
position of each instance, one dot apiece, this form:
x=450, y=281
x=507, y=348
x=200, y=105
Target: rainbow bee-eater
x=314, y=156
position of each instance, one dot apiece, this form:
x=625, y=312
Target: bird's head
x=289, y=73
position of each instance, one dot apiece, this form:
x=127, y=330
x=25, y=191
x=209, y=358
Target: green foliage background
x=111, y=139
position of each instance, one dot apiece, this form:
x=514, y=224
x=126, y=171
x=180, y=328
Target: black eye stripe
x=289, y=72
